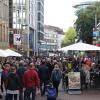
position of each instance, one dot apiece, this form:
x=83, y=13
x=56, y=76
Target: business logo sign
x=96, y=33
x=17, y=39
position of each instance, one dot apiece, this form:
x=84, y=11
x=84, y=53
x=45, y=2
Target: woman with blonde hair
x=56, y=77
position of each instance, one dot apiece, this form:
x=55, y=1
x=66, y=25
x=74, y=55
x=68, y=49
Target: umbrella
x=12, y=53
x=80, y=47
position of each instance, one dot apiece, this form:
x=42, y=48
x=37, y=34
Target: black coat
x=13, y=82
x=44, y=73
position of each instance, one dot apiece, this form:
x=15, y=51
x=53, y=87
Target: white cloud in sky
x=60, y=13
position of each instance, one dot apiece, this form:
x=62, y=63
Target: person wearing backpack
x=1, y=70
x=56, y=77
x=12, y=85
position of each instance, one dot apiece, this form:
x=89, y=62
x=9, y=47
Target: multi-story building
x=53, y=37
x=23, y=22
x=40, y=25
x=4, y=23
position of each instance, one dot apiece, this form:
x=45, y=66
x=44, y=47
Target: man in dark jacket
x=44, y=77
x=4, y=76
x=12, y=85
x=50, y=66
x=20, y=72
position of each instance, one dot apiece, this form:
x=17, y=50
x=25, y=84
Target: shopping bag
x=51, y=92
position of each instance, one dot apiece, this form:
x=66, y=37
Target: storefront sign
x=17, y=39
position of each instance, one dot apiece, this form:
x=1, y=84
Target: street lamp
x=21, y=35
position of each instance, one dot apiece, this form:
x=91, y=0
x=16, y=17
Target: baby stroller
x=51, y=92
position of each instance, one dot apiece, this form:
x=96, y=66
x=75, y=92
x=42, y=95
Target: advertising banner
x=95, y=33
x=17, y=39
x=74, y=80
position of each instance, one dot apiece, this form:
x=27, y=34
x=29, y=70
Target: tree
x=86, y=21
x=69, y=37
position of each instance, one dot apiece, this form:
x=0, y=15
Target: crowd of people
x=23, y=78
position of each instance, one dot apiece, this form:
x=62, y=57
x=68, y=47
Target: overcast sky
x=60, y=13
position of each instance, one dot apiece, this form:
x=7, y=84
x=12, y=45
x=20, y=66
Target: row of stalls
x=75, y=78
x=8, y=53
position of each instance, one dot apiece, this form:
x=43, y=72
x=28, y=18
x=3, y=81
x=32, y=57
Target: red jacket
x=31, y=79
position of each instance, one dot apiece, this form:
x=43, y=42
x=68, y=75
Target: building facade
x=40, y=25
x=4, y=23
x=23, y=22
x=53, y=37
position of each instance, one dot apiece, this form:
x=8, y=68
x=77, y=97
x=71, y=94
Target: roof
x=54, y=28
x=83, y=4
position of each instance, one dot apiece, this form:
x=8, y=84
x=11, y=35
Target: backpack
x=56, y=75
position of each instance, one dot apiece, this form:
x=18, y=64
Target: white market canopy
x=80, y=47
x=2, y=53
x=9, y=52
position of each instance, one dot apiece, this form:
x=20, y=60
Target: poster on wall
x=74, y=80
x=17, y=39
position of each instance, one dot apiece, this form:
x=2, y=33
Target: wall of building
x=4, y=23
x=59, y=40
x=40, y=24
x=53, y=37
x=50, y=39
x=24, y=21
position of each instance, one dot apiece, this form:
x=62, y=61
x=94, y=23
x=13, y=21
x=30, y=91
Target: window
x=6, y=2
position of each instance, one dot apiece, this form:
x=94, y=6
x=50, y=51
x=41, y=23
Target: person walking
x=31, y=81
x=13, y=85
x=0, y=79
x=20, y=73
x=56, y=77
x=44, y=76
x=4, y=77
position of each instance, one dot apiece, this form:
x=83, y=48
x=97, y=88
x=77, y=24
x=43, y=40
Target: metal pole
x=95, y=19
x=47, y=47
x=27, y=20
x=21, y=32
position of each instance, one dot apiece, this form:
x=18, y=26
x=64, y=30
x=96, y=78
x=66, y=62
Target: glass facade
x=19, y=12
x=40, y=20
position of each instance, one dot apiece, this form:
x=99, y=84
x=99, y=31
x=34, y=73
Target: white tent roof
x=2, y=53
x=80, y=47
x=12, y=53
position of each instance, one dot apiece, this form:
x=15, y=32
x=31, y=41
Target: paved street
x=86, y=95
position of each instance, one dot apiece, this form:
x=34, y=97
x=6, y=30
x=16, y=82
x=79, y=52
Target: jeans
x=11, y=96
x=56, y=85
x=21, y=94
x=43, y=85
x=28, y=92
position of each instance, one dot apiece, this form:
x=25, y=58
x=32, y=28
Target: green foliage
x=69, y=37
x=86, y=21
